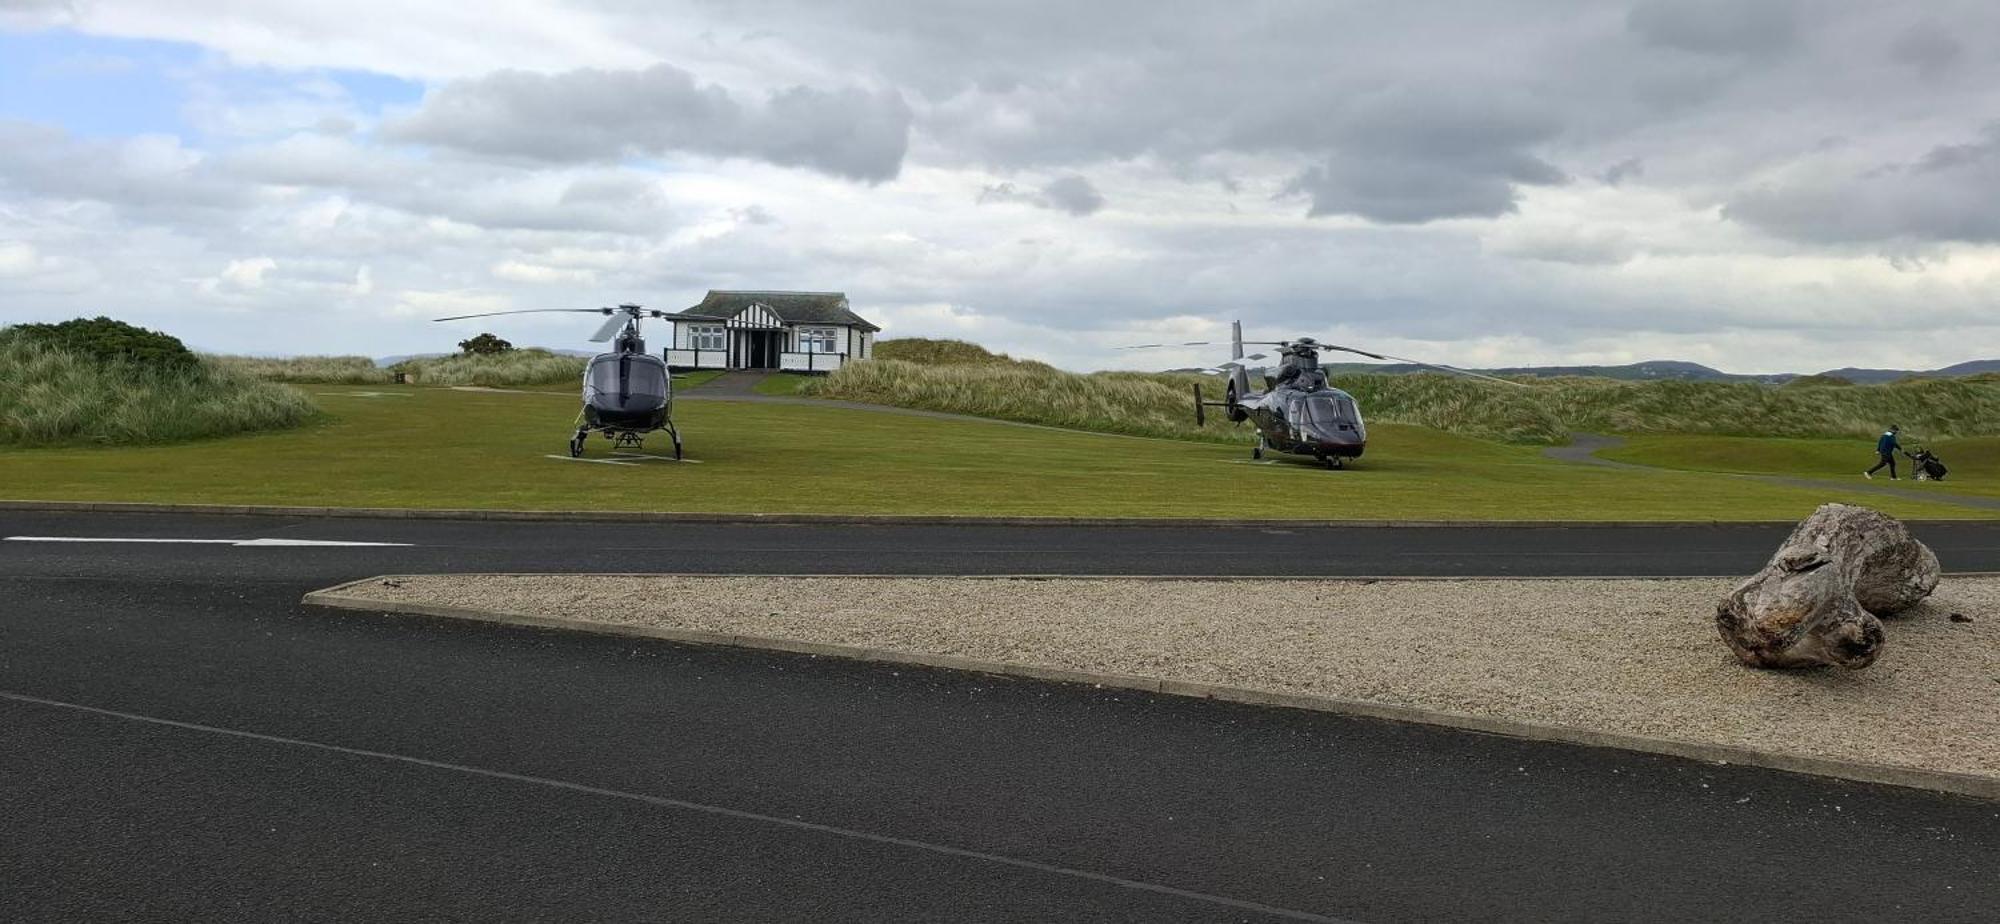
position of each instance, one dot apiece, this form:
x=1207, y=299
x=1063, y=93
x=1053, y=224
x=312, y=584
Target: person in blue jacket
x=1886, y=447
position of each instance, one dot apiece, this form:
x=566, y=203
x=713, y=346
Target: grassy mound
x=930, y=352
x=57, y=396
x=1545, y=412
x=513, y=368
x=331, y=370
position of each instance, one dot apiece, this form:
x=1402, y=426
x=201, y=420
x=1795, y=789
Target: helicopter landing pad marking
x=239, y=543
x=641, y=457
x=581, y=459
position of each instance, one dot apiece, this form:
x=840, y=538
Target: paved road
x=184, y=741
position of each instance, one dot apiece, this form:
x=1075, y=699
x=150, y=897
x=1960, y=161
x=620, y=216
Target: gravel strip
x=1637, y=657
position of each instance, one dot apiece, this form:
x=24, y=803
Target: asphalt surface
x=184, y=741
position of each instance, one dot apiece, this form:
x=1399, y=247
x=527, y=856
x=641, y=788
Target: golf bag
x=1929, y=467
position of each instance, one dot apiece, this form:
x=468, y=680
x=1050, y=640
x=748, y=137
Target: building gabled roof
x=791, y=307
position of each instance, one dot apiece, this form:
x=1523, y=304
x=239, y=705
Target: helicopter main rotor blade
x=490, y=314
x=610, y=328
x=1418, y=362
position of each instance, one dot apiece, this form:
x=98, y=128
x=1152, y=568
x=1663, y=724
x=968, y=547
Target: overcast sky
x=1761, y=186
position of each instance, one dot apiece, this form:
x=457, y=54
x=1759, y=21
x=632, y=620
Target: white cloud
x=517, y=271
x=247, y=274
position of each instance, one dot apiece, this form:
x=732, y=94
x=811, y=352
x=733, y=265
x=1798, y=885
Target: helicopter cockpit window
x=1327, y=411
x=624, y=376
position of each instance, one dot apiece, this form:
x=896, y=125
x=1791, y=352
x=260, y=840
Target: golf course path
x=184, y=737
x=1583, y=448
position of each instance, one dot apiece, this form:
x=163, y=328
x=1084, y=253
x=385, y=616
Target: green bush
x=485, y=344
x=104, y=337
x=56, y=396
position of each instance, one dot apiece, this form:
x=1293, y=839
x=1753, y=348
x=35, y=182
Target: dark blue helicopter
x=626, y=393
x=1298, y=412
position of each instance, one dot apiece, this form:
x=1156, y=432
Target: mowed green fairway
x=443, y=448
x=1974, y=463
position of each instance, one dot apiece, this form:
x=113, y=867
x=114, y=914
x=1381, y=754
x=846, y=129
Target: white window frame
x=708, y=337
x=819, y=340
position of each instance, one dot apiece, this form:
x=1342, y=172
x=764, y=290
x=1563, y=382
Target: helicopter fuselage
x=1309, y=419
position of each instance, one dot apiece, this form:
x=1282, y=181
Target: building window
x=706, y=337
x=818, y=340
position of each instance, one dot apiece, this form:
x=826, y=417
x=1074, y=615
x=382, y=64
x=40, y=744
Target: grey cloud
x=1411, y=191
x=1623, y=170
x=1928, y=47
x=1945, y=195
x=1576, y=246
x=1072, y=194
x=1411, y=156
x=605, y=115
x=1722, y=27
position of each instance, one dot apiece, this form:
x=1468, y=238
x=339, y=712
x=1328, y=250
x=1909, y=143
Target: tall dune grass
x=329, y=370
x=56, y=397
x=1544, y=412
x=935, y=352
x=496, y=370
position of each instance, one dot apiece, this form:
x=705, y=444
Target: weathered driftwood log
x=1816, y=601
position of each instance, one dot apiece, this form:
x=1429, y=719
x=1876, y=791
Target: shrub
x=104, y=337
x=485, y=345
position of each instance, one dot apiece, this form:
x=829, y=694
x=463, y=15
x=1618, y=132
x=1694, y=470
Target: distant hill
x=1878, y=376
x=1650, y=371
x=1676, y=370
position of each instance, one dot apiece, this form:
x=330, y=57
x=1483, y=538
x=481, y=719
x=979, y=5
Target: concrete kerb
x=840, y=519
x=1980, y=787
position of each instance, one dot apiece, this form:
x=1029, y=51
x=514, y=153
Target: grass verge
x=783, y=384
x=1974, y=462
x=440, y=448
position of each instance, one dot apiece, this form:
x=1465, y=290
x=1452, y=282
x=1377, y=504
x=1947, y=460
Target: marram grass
x=494, y=370
x=330, y=370
x=51, y=397
x=1543, y=411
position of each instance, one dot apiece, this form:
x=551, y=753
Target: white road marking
x=246, y=543
x=793, y=822
x=645, y=458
